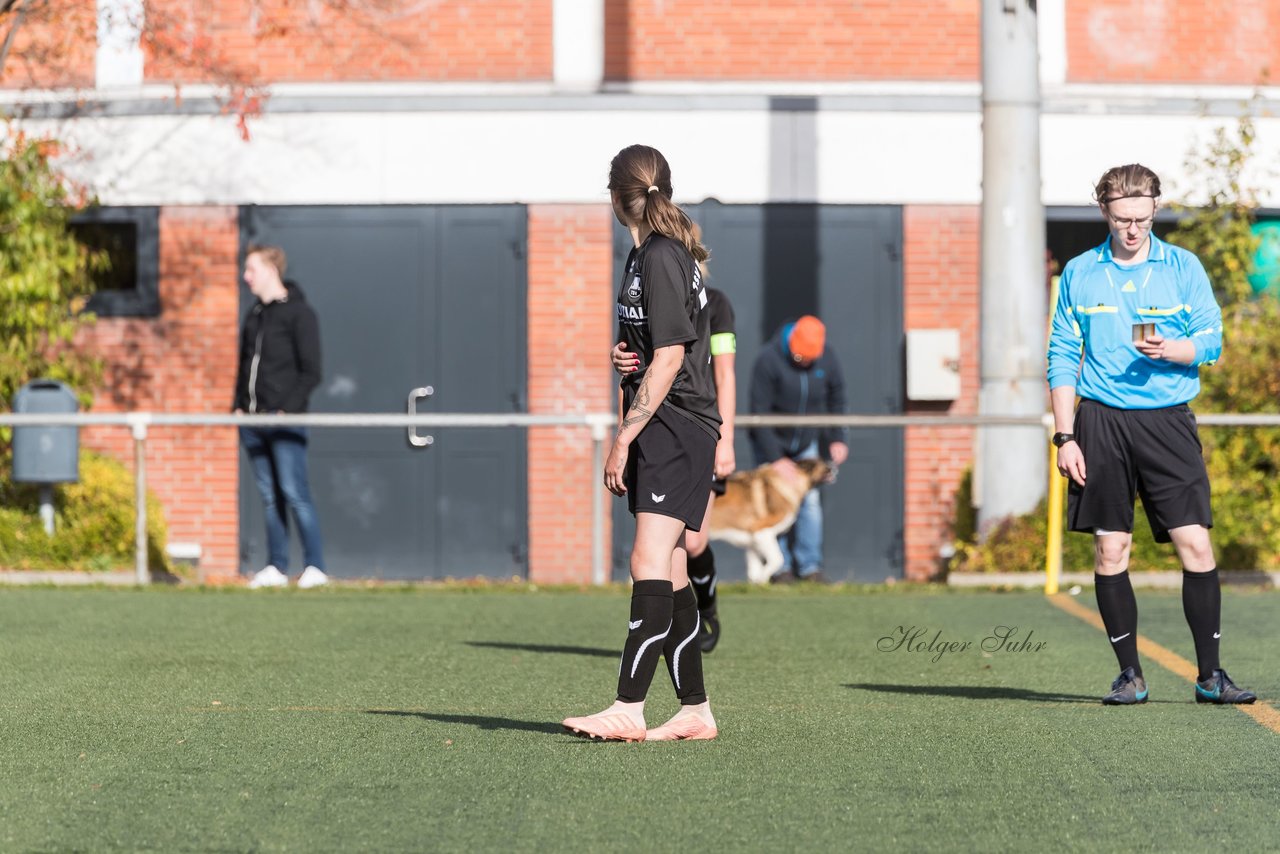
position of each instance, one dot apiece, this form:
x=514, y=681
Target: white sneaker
x=268, y=577
x=312, y=577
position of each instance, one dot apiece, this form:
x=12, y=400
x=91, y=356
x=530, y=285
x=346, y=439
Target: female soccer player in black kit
x=724, y=348
x=663, y=456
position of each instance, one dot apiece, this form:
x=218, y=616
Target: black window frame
x=144, y=299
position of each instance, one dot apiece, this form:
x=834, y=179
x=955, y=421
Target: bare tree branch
x=13, y=30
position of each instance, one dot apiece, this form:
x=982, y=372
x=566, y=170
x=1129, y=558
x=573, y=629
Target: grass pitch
x=391, y=720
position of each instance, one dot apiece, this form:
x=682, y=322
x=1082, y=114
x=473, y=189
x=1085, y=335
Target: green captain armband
x=723, y=342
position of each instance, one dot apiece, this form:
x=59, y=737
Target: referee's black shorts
x=669, y=468
x=1153, y=453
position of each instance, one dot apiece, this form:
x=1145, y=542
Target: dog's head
x=817, y=471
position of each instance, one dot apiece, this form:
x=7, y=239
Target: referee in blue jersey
x=1135, y=320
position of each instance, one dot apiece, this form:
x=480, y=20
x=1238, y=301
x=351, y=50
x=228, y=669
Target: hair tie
x=653, y=188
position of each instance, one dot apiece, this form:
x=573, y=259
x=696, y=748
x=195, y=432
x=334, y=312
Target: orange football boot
x=686, y=725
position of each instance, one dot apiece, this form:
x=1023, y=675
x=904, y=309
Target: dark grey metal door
x=843, y=263
x=409, y=297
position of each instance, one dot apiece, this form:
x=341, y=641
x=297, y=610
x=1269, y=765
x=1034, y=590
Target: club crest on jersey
x=633, y=291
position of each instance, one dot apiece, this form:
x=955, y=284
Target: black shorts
x=1154, y=453
x=669, y=467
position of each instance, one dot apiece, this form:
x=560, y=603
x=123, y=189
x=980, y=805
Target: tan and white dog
x=757, y=506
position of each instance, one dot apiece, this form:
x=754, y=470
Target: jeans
x=802, y=545
x=279, y=458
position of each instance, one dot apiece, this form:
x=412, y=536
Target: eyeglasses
x=1129, y=222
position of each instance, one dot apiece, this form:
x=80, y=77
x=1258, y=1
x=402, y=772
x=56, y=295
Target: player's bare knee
x=1195, y=549
x=696, y=541
x=1111, y=553
x=645, y=566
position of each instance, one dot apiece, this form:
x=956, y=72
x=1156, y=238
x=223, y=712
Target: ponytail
x=640, y=179
x=668, y=219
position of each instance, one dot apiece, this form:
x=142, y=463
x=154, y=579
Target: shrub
x=45, y=275
x=94, y=522
x=1017, y=544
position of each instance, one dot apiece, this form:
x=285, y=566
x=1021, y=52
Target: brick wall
x=290, y=40
x=570, y=327
x=182, y=361
x=767, y=40
x=1140, y=41
x=941, y=283
x=55, y=46
x=1172, y=41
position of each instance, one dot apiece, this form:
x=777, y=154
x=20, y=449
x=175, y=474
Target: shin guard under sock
x=649, y=626
x=682, y=650
x=1119, y=610
x=1202, y=606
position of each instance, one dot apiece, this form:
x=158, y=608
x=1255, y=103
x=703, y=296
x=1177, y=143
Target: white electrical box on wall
x=933, y=364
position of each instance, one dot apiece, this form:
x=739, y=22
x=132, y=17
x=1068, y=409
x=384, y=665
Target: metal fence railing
x=599, y=424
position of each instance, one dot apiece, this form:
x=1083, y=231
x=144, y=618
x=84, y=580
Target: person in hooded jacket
x=796, y=373
x=278, y=369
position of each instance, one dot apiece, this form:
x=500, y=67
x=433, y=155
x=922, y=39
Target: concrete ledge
x=1165, y=580
x=68, y=579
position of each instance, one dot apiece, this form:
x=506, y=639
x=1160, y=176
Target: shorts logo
x=658, y=499
x=634, y=625
x=633, y=291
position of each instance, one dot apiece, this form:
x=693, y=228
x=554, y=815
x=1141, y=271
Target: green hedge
x=94, y=522
x=1018, y=545
x=1243, y=477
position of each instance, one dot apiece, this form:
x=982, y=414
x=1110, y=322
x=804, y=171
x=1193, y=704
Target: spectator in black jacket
x=797, y=374
x=279, y=367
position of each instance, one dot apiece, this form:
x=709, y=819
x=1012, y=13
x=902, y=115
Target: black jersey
x=661, y=302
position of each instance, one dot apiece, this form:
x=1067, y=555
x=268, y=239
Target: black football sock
x=1202, y=606
x=649, y=626
x=682, y=650
x=702, y=575
x=1119, y=610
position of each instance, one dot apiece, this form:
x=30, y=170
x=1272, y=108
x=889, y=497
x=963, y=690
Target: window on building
x=130, y=286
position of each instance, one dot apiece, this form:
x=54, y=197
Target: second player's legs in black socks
x=682, y=650
x=1202, y=606
x=648, y=628
x=1119, y=610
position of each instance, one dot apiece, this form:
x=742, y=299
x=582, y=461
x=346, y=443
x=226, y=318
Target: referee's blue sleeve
x=1066, y=342
x=1205, y=323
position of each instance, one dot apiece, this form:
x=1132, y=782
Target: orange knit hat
x=808, y=338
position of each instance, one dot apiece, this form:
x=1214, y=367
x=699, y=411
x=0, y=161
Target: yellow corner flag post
x=1053, y=538
x=1053, y=542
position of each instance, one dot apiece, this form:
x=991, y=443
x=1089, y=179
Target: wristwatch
x=1060, y=439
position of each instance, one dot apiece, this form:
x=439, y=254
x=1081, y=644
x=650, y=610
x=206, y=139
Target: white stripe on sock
x=675, y=659
x=636, y=664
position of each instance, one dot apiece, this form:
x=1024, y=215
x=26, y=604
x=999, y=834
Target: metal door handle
x=414, y=396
